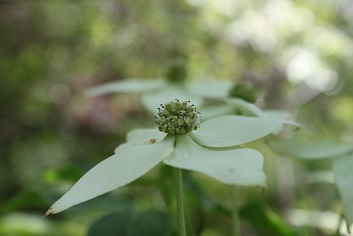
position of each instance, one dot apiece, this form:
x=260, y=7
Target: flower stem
x=180, y=201
x=235, y=216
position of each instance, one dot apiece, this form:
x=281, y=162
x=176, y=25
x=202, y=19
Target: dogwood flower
x=182, y=141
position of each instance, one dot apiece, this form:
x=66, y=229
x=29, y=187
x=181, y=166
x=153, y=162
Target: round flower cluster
x=178, y=117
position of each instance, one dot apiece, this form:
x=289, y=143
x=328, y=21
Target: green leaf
x=120, y=169
x=68, y=173
x=129, y=223
x=238, y=166
x=126, y=86
x=111, y=225
x=26, y=199
x=104, y=203
x=343, y=170
x=311, y=151
x=227, y=131
x=264, y=220
x=153, y=223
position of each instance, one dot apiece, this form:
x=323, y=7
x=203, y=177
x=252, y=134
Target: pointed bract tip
x=49, y=211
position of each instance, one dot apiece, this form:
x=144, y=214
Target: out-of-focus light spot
x=101, y=32
x=342, y=109
x=224, y=7
x=301, y=65
x=125, y=37
x=326, y=221
x=305, y=66
x=254, y=29
x=31, y=224
x=196, y=3
x=287, y=18
x=59, y=94
x=329, y=41
x=268, y=27
x=323, y=80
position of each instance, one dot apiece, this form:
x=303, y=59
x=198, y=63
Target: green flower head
x=178, y=117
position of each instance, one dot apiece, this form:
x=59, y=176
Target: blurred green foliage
x=297, y=53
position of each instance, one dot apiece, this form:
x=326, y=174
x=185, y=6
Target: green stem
x=235, y=216
x=180, y=202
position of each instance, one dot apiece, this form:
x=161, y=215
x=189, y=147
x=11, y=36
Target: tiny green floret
x=178, y=117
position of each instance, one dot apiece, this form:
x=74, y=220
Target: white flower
x=213, y=149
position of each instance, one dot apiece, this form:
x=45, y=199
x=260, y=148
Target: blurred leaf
x=342, y=168
x=264, y=220
x=112, y=224
x=107, y=202
x=24, y=200
x=151, y=223
x=68, y=173
x=320, y=177
x=311, y=151
x=128, y=223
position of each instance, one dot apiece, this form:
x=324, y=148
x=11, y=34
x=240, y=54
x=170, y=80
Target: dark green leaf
x=112, y=224
x=24, y=200
x=129, y=223
x=152, y=223
x=264, y=220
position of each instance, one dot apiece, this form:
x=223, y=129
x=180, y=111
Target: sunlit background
x=297, y=53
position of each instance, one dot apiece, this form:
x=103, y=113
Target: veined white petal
x=143, y=135
x=138, y=137
x=280, y=116
x=322, y=149
x=168, y=93
x=227, y=131
x=210, y=88
x=249, y=109
x=120, y=169
x=237, y=166
x=126, y=86
x=209, y=112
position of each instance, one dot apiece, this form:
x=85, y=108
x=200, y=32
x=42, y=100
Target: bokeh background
x=297, y=53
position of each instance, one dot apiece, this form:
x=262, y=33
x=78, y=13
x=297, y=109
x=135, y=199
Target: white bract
x=213, y=150
x=157, y=91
